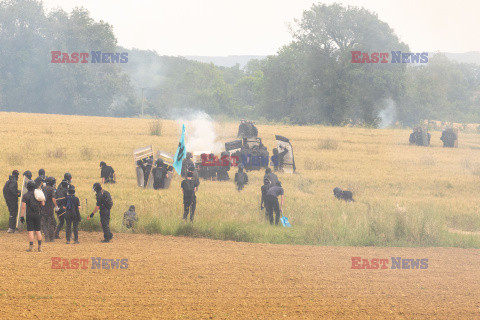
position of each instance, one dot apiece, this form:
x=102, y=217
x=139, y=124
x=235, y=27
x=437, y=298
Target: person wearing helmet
x=107, y=173
x=41, y=173
x=11, y=195
x=47, y=212
x=60, y=197
x=104, y=204
x=72, y=214
x=31, y=207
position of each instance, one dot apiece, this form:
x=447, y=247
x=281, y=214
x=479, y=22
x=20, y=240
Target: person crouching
x=129, y=218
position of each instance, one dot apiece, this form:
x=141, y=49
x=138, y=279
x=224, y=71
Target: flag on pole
x=181, y=153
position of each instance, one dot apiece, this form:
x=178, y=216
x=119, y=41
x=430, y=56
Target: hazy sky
x=259, y=27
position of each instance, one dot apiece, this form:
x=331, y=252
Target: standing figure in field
x=47, y=212
x=60, y=196
x=107, y=173
x=11, y=195
x=271, y=202
x=264, y=190
x=187, y=162
x=189, y=187
x=147, y=168
x=130, y=217
x=222, y=171
x=31, y=207
x=241, y=178
x=104, y=204
x=72, y=215
x=195, y=174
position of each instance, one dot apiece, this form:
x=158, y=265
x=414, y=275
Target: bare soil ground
x=183, y=278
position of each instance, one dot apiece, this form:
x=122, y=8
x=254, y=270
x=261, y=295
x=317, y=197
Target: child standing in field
x=72, y=214
x=129, y=218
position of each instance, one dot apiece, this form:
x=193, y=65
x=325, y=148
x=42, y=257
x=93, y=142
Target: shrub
x=328, y=144
x=57, y=153
x=156, y=127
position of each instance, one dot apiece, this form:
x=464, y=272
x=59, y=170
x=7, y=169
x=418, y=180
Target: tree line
x=311, y=80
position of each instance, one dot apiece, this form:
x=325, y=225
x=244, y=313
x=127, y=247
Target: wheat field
x=405, y=195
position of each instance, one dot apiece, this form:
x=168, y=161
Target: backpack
x=39, y=195
x=107, y=202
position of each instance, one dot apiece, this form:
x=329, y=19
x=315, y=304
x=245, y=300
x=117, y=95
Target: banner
x=181, y=153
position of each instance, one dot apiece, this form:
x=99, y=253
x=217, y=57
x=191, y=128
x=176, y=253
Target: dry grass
x=379, y=166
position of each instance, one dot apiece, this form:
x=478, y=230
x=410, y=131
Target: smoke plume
x=200, y=132
x=388, y=114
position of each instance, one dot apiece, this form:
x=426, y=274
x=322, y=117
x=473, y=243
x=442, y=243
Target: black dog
x=343, y=195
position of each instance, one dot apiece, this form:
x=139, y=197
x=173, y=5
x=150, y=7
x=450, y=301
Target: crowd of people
x=42, y=200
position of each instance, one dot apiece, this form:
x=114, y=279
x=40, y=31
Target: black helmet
x=31, y=185
x=159, y=162
x=28, y=174
x=132, y=208
x=102, y=164
x=71, y=189
x=41, y=172
x=39, y=181
x=15, y=173
x=67, y=176
x=50, y=181
x=97, y=187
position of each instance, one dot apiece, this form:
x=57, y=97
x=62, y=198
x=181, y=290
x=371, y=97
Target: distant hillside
x=228, y=61
x=467, y=57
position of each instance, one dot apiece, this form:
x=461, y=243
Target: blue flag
x=181, y=153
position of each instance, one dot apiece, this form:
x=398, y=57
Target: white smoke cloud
x=200, y=132
x=388, y=114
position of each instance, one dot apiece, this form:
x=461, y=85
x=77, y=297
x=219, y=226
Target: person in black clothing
x=31, y=206
x=107, y=173
x=187, y=162
x=72, y=214
x=41, y=174
x=271, y=202
x=11, y=195
x=28, y=174
x=60, y=196
x=189, y=187
x=147, y=169
x=196, y=176
x=47, y=212
x=104, y=204
x=160, y=174
x=241, y=178
x=270, y=176
x=264, y=190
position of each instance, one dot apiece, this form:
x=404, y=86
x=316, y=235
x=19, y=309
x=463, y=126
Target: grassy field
x=405, y=195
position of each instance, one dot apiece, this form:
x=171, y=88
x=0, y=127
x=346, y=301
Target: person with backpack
x=272, y=177
x=241, y=178
x=264, y=190
x=104, y=204
x=107, y=173
x=160, y=174
x=60, y=196
x=72, y=215
x=11, y=195
x=271, y=202
x=31, y=207
x=47, y=212
x=189, y=187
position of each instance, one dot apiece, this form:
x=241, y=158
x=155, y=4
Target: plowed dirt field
x=183, y=278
